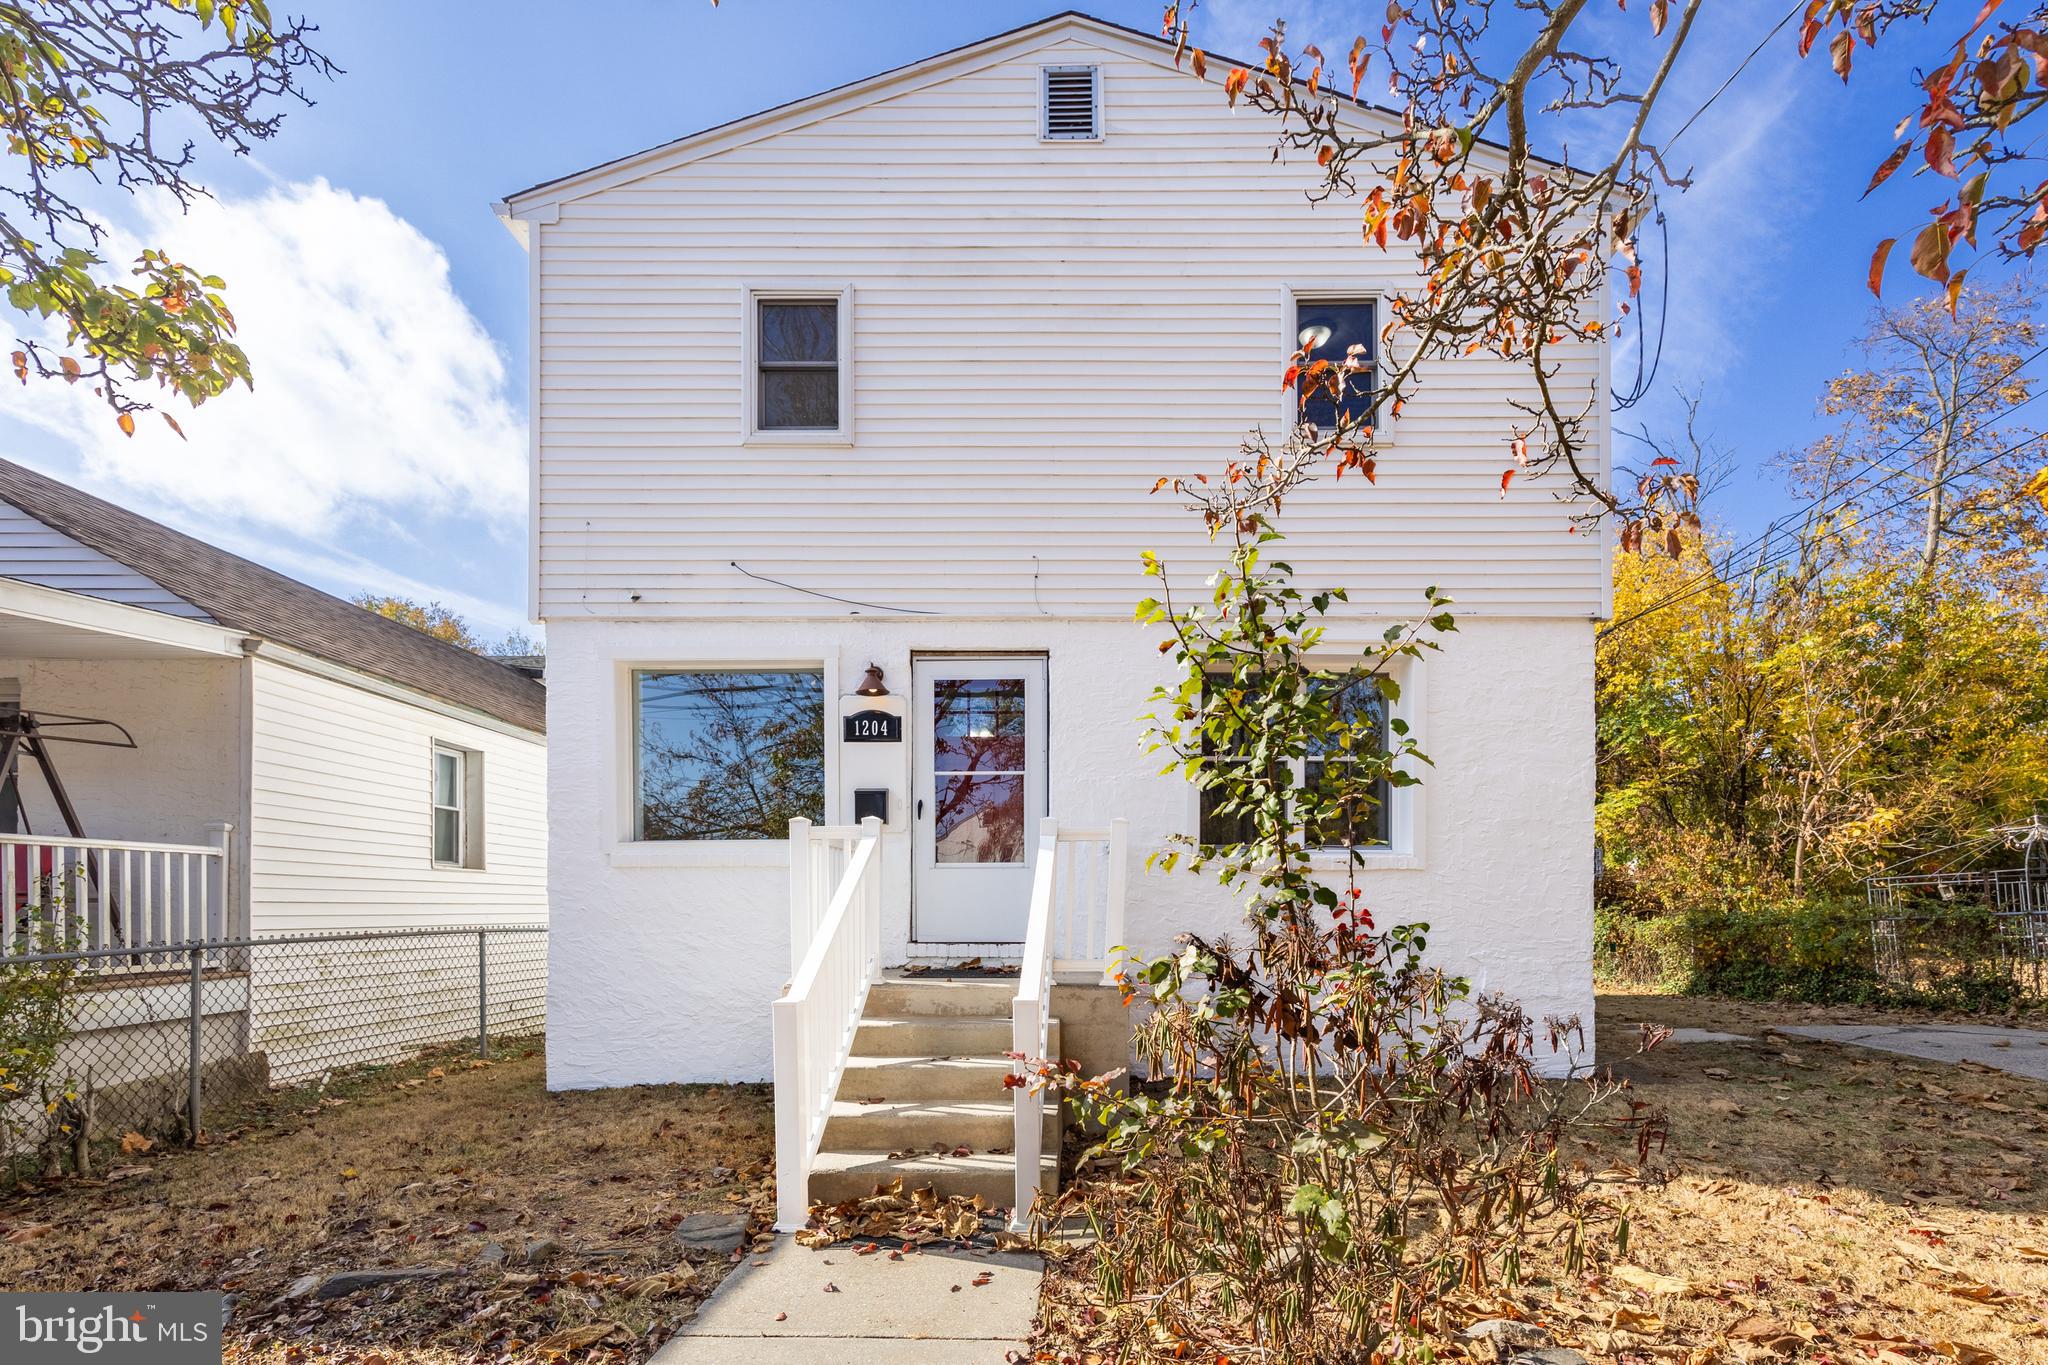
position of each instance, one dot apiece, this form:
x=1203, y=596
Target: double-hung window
x=797, y=380
x=727, y=753
x=1343, y=331
x=457, y=815
x=1362, y=818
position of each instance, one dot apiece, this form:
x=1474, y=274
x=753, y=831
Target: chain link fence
x=96, y=1044
x=1954, y=956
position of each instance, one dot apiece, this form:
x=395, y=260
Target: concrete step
x=924, y=1078
x=908, y=996
x=838, y=1176
x=920, y=1125
x=933, y=1035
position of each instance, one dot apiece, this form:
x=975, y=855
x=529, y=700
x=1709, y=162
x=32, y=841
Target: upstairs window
x=1071, y=104
x=1343, y=323
x=796, y=358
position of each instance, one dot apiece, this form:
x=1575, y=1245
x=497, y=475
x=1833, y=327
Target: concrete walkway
x=2023, y=1052
x=793, y=1306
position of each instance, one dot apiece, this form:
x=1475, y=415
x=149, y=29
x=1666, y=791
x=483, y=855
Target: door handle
x=920, y=808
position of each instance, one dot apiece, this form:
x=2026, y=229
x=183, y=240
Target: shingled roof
x=264, y=603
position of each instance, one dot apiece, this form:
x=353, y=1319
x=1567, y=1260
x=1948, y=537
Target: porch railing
x=814, y=1021
x=1076, y=923
x=818, y=856
x=60, y=893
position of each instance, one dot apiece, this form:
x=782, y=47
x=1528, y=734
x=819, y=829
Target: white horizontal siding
x=340, y=813
x=35, y=552
x=1040, y=332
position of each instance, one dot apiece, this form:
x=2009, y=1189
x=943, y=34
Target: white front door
x=978, y=795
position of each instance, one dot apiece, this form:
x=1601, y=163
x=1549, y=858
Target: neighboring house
x=886, y=376
x=298, y=764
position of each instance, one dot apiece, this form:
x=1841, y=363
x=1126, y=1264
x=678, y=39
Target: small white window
x=798, y=378
x=458, y=807
x=1072, y=103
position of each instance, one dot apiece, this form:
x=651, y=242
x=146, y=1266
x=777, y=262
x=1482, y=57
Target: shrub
x=1338, y=1135
x=1824, y=952
x=36, y=1097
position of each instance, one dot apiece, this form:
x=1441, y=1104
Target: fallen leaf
x=1965, y=1354
x=134, y=1143
x=1649, y=1281
x=575, y=1338
x=1634, y=1320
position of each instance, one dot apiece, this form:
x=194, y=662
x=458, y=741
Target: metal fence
x=99, y=1043
x=1958, y=954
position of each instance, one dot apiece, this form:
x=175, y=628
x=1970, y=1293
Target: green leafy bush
x=35, y=1095
x=1337, y=1136
x=1824, y=952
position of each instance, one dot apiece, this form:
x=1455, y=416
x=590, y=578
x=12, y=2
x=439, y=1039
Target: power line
x=1733, y=75
x=1779, y=524
x=1764, y=563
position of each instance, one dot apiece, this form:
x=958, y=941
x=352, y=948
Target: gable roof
x=246, y=597
x=1141, y=43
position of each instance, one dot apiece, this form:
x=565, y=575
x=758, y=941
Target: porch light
x=872, y=685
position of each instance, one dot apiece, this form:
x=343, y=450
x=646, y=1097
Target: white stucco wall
x=664, y=958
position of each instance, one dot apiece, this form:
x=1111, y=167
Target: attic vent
x=1073, y=103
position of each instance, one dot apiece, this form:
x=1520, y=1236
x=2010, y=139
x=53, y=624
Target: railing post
x=799, y=891
x=196, y=1062
x=871, y=903
x=792, y=1143
x=223, y=832
x=483, y=1014
x=1113, y=900
x=1026, y=1114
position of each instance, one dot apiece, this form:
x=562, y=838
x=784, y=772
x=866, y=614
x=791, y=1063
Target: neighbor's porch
x=122, y=775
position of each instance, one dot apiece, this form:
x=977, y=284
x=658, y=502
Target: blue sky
x=384, y=448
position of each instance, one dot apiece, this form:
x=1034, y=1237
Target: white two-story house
x=885, y=377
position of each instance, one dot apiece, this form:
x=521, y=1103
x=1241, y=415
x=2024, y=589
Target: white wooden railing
x=1076, y=923
x=95, y=894
x=818, y=856
x=815, y=1020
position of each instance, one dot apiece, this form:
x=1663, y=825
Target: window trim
x=623, y=846
x=1045, y=71
x=1291, y=299
x=751, y=298
x=469, y=813
x=1406, y=806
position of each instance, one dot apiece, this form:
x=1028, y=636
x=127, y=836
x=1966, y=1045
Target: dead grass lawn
x=424, y=1164
x=1815, y=1203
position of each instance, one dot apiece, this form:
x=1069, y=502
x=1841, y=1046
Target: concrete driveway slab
x=2023, y=1052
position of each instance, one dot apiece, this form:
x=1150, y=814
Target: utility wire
x=829, y=597
x=1733, y=75
x=1764, y=563
x=1779, y=524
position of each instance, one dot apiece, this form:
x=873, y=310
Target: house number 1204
x=872, y=727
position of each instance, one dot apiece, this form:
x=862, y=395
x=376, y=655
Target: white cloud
x=379, y=397
x=1750, y=157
